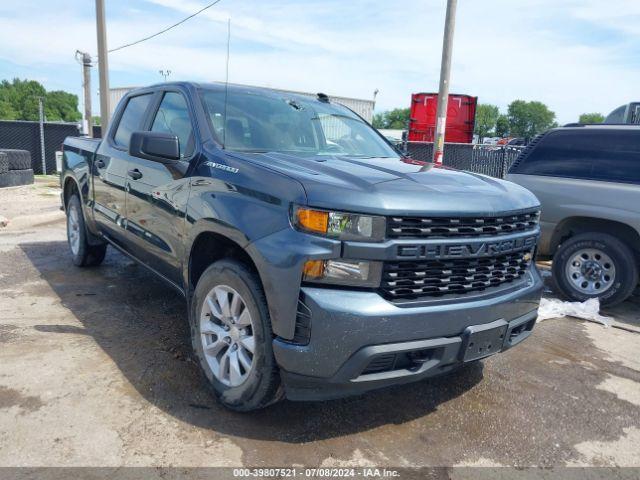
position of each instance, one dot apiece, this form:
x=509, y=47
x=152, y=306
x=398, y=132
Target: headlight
x=339, y=225
x=357, y=273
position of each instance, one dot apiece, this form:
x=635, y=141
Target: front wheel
x=232, y=339
x=595, y=265
x=82, y=253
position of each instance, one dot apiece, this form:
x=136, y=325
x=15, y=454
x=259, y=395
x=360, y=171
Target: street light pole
x=103, y=65
x=445, y=73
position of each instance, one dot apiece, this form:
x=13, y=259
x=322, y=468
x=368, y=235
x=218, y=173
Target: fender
x=232, y=234
x=244, y=211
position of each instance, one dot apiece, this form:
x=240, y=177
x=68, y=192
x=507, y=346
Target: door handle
x=199, y=183
x=135, y=174
x=100, y=163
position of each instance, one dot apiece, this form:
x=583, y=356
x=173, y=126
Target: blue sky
x=575, y=55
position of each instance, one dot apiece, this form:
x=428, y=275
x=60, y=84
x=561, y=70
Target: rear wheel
x=594, y=264
x=232, y=339
x=82, y=253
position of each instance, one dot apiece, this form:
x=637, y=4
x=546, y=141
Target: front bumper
x=359, y=341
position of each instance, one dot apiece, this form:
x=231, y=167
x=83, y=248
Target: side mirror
x=156, y=146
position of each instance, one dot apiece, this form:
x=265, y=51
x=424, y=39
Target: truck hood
x=394, y=186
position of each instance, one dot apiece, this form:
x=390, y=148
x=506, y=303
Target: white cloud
x=535, y=49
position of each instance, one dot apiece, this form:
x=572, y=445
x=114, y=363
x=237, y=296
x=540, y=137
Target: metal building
x=362, y=107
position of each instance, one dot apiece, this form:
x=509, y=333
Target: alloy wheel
x=226, y=331
x=73, y=229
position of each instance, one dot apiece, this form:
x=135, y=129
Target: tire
x=83, y=254
x=4, y=163
x=18, y=159
x=14, y=178
x=595, y=264
x=260, y=385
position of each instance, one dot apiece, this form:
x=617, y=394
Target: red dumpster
x=461, y=118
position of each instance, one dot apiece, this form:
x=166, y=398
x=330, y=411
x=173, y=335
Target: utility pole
x=445, y=73
x=86, y=86
x=103, y=65
x=165, y=74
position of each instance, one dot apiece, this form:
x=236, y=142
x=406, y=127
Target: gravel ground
x=95, y=370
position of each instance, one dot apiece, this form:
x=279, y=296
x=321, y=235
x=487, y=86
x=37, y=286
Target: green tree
x=502, y=126
x=19, y=101
x=7, y=112
x=378, y=120
x=62, y=106
x=486, y=118
x=527, y=119
x=397, y=118
x=23, y=95
x=591, y=118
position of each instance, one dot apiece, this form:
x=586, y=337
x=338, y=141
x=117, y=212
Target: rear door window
x=131, y=119
x=560, y=154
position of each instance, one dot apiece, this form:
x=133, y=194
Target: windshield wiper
x=250, y=150
x=364, y=156
x=338, y=115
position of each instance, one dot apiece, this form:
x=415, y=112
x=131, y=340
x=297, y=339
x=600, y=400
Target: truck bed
x=79, y=153
x=85, y=144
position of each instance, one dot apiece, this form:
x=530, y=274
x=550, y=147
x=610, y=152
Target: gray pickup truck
x=315, y=260
x=587, y=178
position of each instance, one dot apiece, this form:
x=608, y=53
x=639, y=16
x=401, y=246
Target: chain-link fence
x=26, y=136
x=493, y=160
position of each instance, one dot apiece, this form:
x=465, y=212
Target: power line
x=166, y=29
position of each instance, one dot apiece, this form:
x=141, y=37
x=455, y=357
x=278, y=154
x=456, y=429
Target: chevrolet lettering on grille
x=467, y=250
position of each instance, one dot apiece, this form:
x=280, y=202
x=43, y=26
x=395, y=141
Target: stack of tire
x=15, y=168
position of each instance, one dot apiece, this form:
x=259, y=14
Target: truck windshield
x=256, y=122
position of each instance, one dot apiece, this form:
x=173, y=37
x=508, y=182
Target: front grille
x=446, y=227
x=430, y=278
